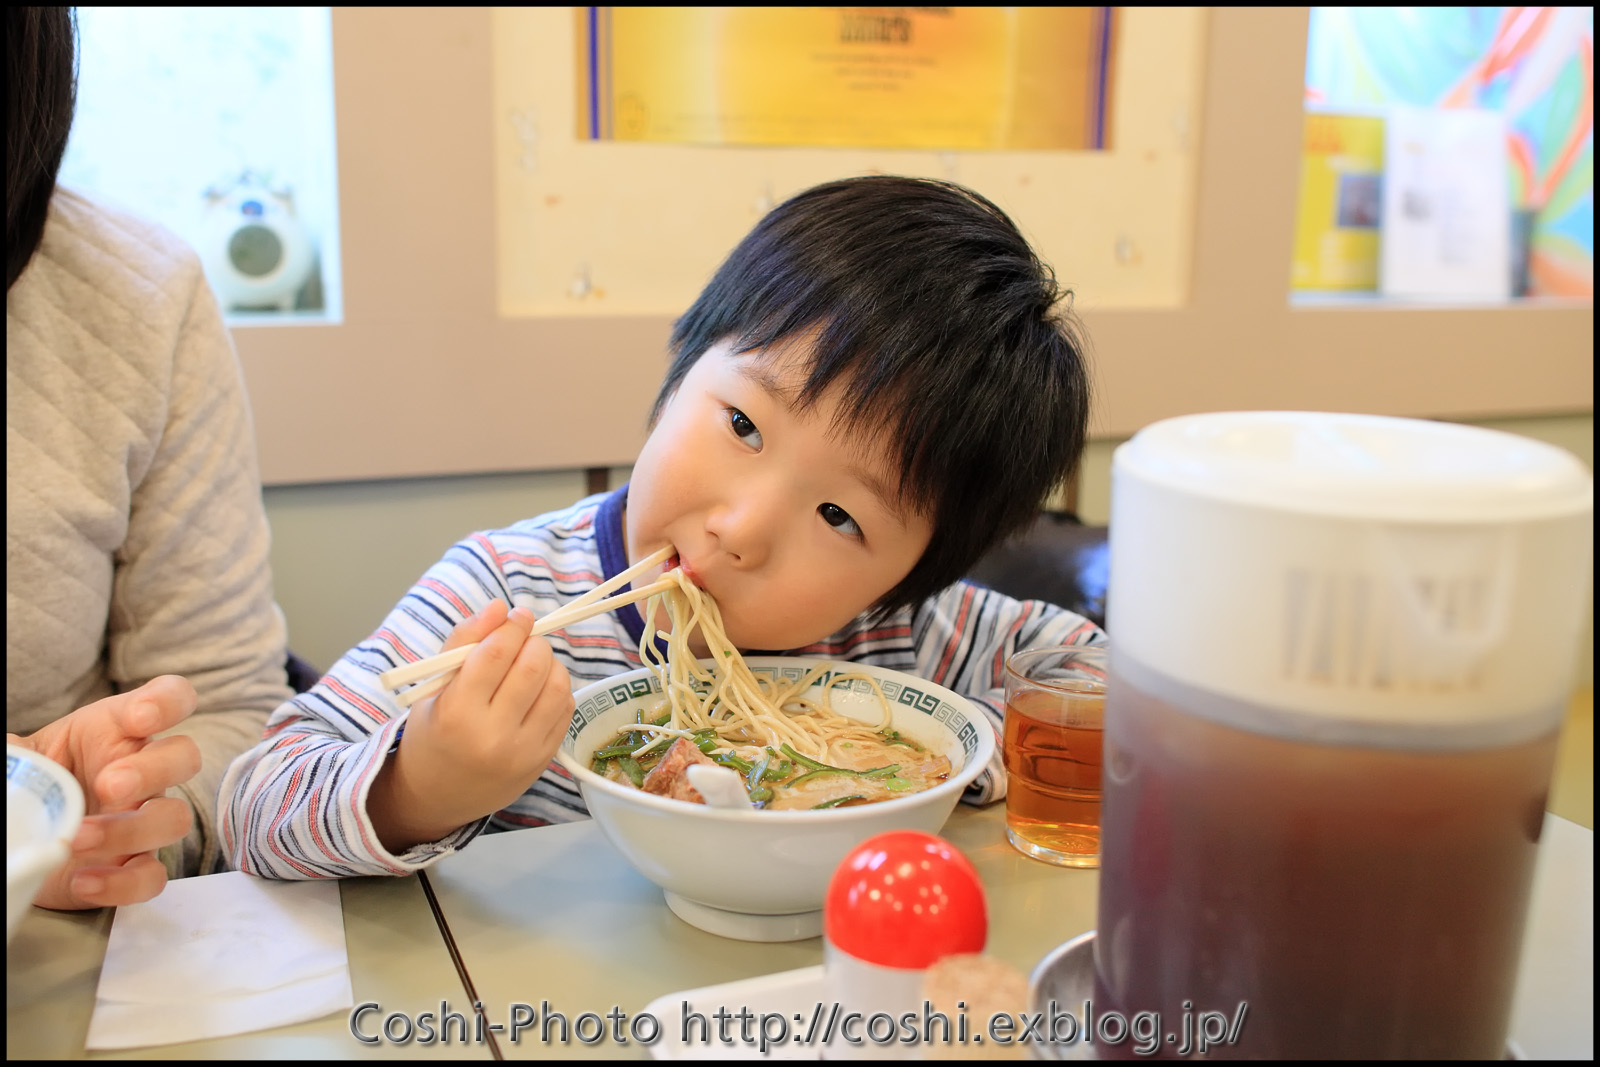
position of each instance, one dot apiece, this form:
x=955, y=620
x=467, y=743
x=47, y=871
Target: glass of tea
x=1055, y=704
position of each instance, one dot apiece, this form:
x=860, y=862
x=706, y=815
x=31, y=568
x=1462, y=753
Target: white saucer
x=792, y=994
x=741, y=927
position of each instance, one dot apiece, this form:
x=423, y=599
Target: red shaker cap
x=905, y=899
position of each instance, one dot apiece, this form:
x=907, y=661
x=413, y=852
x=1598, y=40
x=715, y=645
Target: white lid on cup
x=1360, y=466
x=1361, y=570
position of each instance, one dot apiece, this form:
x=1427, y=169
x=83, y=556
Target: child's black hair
x=951, y=338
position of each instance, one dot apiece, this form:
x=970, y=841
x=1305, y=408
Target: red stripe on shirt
x=448, y=594
x=377, y=714
x=405, y=651
x=957, y=632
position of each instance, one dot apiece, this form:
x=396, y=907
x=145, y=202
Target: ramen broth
x=860, y=771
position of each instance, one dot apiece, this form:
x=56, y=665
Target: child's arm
x=963, y=638
x=296, y=805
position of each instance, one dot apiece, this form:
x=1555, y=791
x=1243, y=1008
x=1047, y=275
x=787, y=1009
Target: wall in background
x=424, y=343
x=334, y=596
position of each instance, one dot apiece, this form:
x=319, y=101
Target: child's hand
x=480, y=743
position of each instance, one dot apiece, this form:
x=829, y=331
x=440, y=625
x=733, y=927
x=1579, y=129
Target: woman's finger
x=156, y=824
x=140, y=879
x=126, y=783
x=159, y=704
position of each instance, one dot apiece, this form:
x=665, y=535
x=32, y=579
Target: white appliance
x=256, y=251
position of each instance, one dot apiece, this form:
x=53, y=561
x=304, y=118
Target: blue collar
x=613, y=547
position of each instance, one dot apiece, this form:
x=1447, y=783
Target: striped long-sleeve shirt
x=295, y=805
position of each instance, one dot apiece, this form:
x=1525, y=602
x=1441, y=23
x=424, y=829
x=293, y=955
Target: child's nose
x=746, y=525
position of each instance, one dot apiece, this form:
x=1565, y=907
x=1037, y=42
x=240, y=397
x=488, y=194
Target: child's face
x=790, y=528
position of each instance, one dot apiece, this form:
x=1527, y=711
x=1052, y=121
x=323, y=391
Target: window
x=218, y=124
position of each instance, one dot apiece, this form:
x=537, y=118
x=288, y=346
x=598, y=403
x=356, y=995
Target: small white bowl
x=44, y=805
x=762, y=875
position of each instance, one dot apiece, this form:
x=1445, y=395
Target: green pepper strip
x=836, y=801
x=598, y=765
x=631, y=768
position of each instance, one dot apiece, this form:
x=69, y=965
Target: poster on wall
x=967, y=78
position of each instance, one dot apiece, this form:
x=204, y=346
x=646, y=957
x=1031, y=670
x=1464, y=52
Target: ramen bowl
x=44, y=805
x=762, y=875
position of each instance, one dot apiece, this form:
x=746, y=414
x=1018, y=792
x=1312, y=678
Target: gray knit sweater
x=136, y=542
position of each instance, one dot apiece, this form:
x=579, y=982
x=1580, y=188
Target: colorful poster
x=1341, y=199
x=1533, y=64
x=868, y=77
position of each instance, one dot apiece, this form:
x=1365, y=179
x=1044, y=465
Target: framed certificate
x=867, y=77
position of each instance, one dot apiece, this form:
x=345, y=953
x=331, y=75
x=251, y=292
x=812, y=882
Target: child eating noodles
x=879, y=384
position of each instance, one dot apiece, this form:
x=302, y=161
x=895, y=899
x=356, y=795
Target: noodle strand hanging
x=748, y=714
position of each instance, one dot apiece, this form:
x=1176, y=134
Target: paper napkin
x=219, y=955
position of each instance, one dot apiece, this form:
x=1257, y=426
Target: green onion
x=728, y=759
x=758, y=792
x=807, y=761
x=631, y=768
x=892, y=737
x=826, y=772
x=836, y=801
x=829, y=772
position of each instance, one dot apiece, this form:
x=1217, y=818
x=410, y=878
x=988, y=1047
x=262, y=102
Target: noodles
x=793, y=751
x=748, y=714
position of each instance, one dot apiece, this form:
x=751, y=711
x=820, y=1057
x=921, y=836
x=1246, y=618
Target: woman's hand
x=482, y=741
x=107, y=747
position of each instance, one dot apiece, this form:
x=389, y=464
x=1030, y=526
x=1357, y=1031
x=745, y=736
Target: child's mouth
x=690, y=573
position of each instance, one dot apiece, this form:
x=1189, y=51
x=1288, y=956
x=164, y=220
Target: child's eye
x=839, y=519
x=744, y=428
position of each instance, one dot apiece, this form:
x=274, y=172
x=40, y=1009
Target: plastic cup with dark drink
x=1343, y=648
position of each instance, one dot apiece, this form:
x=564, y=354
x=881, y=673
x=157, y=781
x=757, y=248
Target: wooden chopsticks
x=438, y=670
